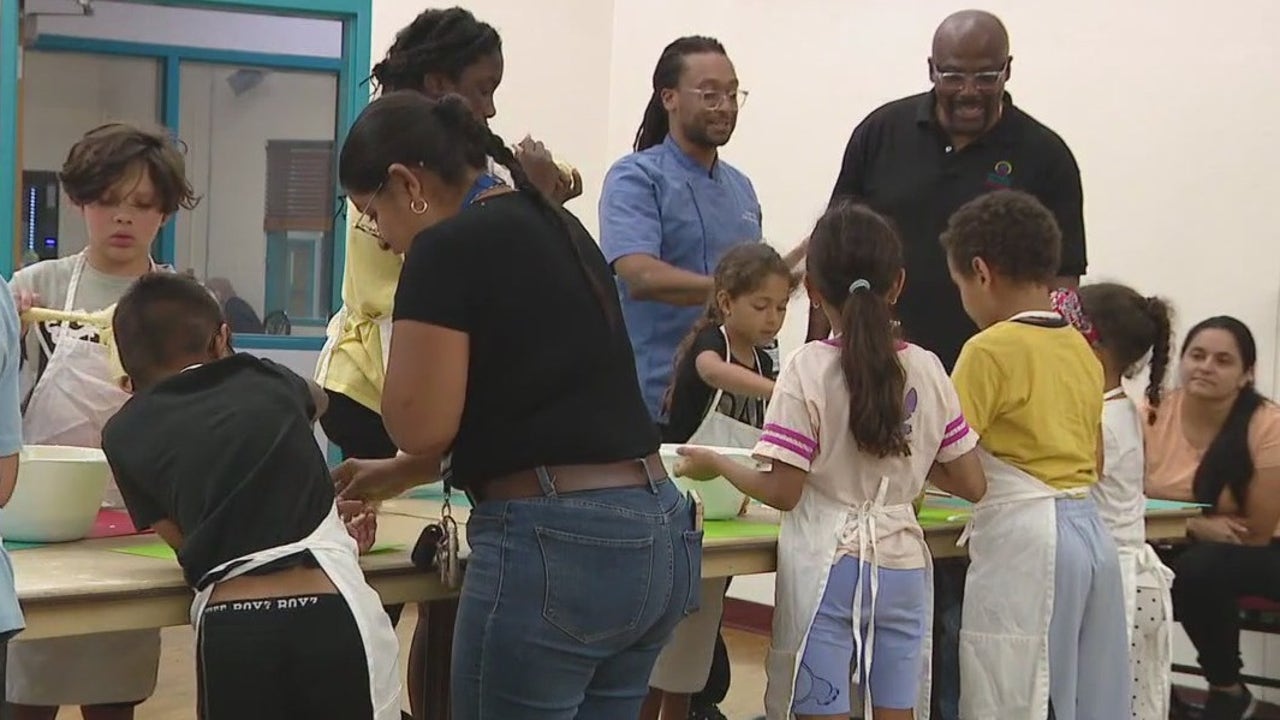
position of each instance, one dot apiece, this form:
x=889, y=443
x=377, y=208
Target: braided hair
x=444, y=137
x=444, y=42
x=666, y=76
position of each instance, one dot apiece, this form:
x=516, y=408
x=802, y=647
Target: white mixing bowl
x=59, y=493
x=720, y=499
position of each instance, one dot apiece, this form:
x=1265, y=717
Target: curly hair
x=114, y=153
x=1130, y=326
x=446, y=42
x=1013, y=233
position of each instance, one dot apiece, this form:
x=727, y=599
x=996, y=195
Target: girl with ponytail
x=1129, y=332
x=856, y=424
x=509, y=356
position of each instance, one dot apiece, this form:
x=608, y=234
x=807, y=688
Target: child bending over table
x=215, y=452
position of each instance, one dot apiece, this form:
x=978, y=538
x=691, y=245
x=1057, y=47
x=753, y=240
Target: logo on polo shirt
x=1001, y=176
x=909, y=405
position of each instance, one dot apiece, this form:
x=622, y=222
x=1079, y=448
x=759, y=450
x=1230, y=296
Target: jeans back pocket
x=597, y=588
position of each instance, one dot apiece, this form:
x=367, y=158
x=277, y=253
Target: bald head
x=974, y=30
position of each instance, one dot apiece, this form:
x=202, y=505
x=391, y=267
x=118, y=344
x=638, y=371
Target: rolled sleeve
x=630, y=223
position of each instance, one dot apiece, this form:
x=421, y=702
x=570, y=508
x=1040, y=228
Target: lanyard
x=483, y=184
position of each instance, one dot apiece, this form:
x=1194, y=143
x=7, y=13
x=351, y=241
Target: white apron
x=336, y=331
x=1150, y=573
x=69, y=405
x=720, y=430
x=336, y=552
x=1008, y=602
x=809, y=538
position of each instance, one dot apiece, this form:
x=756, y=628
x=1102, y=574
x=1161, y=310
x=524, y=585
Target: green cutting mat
x=737, y=529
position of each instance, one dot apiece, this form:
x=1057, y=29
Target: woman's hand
x=361, y=521
x=545, y=173
x=699, y=463
x=1218, y=528
x=371, y=480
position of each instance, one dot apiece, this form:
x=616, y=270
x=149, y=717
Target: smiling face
x=123, y=223
x=1212, y=365
x=969, y=67
x=704, y=105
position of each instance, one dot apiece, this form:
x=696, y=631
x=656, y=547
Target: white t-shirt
x=1119, y=491
x=807, y=426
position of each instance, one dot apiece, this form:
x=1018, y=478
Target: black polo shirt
x=901, y=163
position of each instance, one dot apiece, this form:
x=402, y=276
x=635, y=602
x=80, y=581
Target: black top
x=901, y=163
x=226, y=451
x=691, y=397
x=551, y=379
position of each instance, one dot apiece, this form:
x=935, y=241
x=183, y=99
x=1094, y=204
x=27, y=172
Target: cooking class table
x=90, y=586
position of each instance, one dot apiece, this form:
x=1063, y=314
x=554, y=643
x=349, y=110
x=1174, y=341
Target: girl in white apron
x=854, y=427
x=1123, y=328
x=1043, y=622
x=231, y=476
x=127, y=182
x=717, y=398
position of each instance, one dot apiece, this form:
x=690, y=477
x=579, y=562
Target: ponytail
x=710, y=317
x=666, y=76
x=654, y=126
x=872, y=372
x=1158, y=310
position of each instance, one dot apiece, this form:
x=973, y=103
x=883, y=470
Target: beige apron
x=810, y=536
x=336, y=331
x=338, y=556
x=73, y=399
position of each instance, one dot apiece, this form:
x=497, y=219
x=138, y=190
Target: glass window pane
x=261, y=152
x=65, y=95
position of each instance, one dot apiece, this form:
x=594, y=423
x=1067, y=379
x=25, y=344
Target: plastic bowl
x=59, y=493
x=720, y=499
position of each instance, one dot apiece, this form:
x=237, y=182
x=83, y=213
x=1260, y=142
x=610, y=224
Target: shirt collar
x=687, y=162
x=926, y=117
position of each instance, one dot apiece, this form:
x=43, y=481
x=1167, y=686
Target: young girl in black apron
x=724, y=375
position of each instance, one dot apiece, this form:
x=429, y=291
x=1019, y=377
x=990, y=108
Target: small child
x=11, y=620
x=1123, y=327
x=1043, y=625
x=215, y=452
x=723, y=376
x=854, y=427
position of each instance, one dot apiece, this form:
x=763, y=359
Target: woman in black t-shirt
x=509, y=354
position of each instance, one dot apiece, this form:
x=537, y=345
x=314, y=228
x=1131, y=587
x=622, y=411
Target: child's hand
x=24, y=300
x=699, y=463
x=361, y=521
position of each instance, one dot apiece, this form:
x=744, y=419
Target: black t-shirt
x=226, y=451
x=551, y=378
x=691, y=397
x=901, y=163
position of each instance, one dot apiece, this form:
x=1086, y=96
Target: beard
x=710, y=133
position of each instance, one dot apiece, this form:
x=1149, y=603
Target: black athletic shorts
x=294, y=658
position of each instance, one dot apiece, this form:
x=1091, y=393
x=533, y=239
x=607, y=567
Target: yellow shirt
x=369, y=281
x=1033, y=393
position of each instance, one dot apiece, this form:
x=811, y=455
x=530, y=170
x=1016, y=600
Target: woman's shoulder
x=1264, y=426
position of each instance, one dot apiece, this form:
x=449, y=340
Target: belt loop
x=653, y=482
x=545, y=481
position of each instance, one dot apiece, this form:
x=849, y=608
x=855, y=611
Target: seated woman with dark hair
x=1216, y=440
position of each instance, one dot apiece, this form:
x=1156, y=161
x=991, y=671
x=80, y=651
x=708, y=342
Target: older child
x=1043, y=622
x=230, y=475
x=1123, y=328
x=127, y=182
x=723, y=376
x=854, y=427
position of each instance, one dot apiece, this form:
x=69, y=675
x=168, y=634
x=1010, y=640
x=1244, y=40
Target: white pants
x=1149, y=628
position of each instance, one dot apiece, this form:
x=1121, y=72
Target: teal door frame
x=352, y=69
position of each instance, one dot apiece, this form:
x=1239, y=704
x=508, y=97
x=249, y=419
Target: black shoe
x=706, y=712
x=1229, y=706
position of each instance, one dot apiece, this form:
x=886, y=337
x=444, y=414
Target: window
x=298, y=221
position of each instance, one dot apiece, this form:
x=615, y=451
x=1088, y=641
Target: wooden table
x=81, y=588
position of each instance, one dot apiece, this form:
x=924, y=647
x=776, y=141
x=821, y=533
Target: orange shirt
x=1172, y=460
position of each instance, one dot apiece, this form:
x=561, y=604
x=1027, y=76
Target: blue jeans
x=567, y=600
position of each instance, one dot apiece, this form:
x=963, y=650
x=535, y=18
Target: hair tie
x=1067, y=304
x=859, y=284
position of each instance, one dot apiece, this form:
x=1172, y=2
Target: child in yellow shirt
x=1043, y=628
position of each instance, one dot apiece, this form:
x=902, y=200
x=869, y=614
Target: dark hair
x=442, y=136
x=444, y=42
x=1129, y=326
x=854, y=259
x=1011, y=231
x=1227, y=462
x=163, y=319
x=112, y=153
x=742, y=270
x=666, y=76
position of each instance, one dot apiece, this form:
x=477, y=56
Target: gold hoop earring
x=418, y=206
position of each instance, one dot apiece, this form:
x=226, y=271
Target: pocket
x=596, y=588
x=693, y=547
x=1002, y=676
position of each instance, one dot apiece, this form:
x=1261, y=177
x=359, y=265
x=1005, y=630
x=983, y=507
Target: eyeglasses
x=715, y=99
x=366, y=224
x=986, y=80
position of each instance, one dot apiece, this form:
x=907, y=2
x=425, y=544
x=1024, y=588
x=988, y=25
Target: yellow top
x=369, y=280
x=1033, y=393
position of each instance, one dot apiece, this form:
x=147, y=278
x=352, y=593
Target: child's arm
x=731, y=378
x=168, y=532
x=962, y=477
x=779, y=487
x=319, y=399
